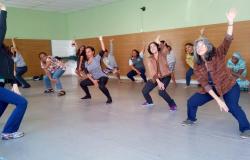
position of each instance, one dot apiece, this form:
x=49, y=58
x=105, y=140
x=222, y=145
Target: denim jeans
x=149, y=86
x=8, y=97
x=189, y=74
x=231, y=99
x=56, y=75
x=19, y=73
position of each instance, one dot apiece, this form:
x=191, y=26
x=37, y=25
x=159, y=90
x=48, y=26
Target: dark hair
x=208, y=55
x=169, y=47
x=137, y=52
x=85, y=55
x=11, y=53
x=41, y=54
x=189, y=44
x=58, y=58
x=105, y=50
x=78, y=53
x=157, y=45
x=7, y=49
x=166, y=44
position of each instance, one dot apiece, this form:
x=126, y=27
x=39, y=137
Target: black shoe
x=86, y=97
x=49, y=91
x=27, y=86
x=109, y=101
x=61, y=93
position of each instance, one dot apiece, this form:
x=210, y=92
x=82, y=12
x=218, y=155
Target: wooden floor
x=68, y=128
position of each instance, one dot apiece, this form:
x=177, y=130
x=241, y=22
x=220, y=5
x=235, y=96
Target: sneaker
x=173, y=107
x=146, y=104
x=138, y=81
x=86, y=97
x=61, y=93
x=109, y=101
x=49, y=91
x=9, y=136
x=245, y=134
x=188, y=123
x=26, y=86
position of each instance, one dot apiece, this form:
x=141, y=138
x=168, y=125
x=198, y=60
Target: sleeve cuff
x=208, y=88
x=229, y=37
x=155, y=77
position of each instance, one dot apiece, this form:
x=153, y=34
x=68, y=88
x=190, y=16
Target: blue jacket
x=6, y=61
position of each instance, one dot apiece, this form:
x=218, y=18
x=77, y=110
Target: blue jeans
x=133, y=73
x=15, y=119
x=231, y=99
x=189, y=74
x=19, y=73
x=56, y=75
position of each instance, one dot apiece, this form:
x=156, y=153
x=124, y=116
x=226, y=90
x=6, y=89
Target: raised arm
x=223, y=48
x=74, y=44
x=230, y=19
x=3, y=26
x=111, y=49
x=14, y=44
x=102, y=43
x=157, y=39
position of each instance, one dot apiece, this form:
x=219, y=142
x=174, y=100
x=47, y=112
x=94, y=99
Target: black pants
x=2, y=84
x=150, y=85
x=102, y=86
x=133, y=73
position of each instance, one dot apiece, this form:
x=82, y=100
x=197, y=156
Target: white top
x=130, y=62
x=171, y=61
x=19, y=61
x=110, y=61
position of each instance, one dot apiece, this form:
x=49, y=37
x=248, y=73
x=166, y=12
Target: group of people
x=217, y=79
x=236, y=64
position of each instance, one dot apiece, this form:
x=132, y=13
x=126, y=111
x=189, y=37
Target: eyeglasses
x=200, y=45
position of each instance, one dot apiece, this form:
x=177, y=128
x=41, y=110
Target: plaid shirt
x=220, y=74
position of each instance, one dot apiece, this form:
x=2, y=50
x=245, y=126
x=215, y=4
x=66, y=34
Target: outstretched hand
x=231, y=14
x=2, y=6
x=222, y=105
x=202, y=31
x=157, y=40
x=100, y=38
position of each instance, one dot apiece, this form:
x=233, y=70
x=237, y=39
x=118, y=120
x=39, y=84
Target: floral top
x=55, y=64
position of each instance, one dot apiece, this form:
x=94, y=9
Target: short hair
x=41, y=54
x=189, y=44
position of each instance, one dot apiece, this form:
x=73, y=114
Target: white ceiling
x=56, y=5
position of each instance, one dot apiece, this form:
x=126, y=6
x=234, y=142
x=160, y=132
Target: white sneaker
x=15, y=135
x=138, y=81
x=146, y=104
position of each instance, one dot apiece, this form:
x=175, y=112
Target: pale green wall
x=121, y=17
x=125, y=16
x=30, y=24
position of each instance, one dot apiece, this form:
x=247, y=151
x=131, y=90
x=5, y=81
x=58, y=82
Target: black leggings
x=102, y=86
x=133, y=73
x=149, y=86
